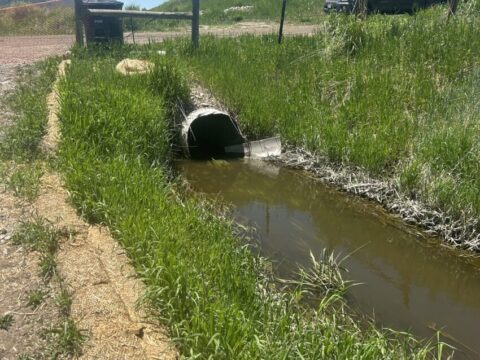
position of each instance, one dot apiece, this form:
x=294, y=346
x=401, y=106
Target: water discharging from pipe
x=409, y=282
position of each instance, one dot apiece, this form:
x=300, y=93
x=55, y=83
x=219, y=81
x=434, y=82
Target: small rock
x=139, y=332
x=3, y=231
x=134, y=66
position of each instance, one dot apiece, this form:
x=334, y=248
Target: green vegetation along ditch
x=394, y=95
x=218, y=299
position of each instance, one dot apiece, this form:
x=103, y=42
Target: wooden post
x=195, y=22
x=78, y=22
x=282, y=20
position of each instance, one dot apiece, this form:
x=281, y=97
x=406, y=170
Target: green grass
x=6, y=321
x=64, y=339
x=394, y=95
x=21, y=165
x=37, y=21
x=35, y=298
x=308, y=11
x=28, y=105
x=24, y=180
x=216, y=297
x=64, y=302
x=38, y=235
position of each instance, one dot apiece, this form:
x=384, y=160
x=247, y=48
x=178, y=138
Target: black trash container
x=103, y=29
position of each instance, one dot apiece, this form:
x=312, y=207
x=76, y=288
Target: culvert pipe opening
x=209, y=133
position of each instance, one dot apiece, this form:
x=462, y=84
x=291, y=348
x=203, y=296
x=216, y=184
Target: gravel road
x=28, y=49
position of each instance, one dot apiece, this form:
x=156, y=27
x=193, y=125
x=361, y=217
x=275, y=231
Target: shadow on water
x=408, y=282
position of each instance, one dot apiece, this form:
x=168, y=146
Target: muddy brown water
x=408, y=282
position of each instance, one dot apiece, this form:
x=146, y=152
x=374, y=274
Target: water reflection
x=409, y=283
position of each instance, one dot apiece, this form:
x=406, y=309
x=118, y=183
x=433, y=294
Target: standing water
x=407, y=282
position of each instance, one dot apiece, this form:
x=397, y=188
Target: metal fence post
x=360, y=8
x=452, y=7
x=282, y=20
x=195, y=22
x=78, y=22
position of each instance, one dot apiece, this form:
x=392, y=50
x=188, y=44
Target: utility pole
x=195, y=22
x=78, y=23
x=282, y=20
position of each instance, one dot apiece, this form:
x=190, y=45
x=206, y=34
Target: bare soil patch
x=29, y=49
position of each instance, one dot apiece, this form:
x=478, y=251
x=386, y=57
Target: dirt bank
x=103, y=286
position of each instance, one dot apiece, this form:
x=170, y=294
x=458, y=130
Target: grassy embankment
x=394, y=95
x=305, y=11
x=213, y=13
x=37, y=21
x=214, y=294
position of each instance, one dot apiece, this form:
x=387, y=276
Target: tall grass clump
x=216, y=297
x=394, y=95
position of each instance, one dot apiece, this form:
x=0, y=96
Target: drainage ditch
x=408, y=282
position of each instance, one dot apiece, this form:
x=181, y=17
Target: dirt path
x=103, y=286
x=28, y=49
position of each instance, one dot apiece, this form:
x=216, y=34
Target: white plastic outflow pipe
x=257, y=149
